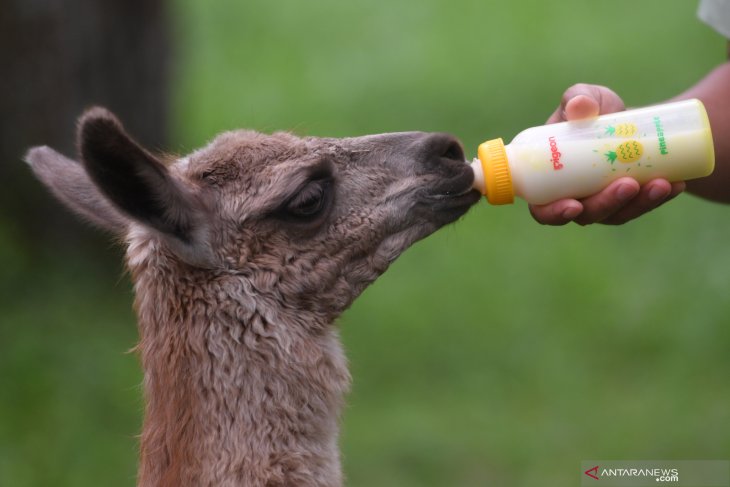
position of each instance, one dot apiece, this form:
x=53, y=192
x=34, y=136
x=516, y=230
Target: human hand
x=622, y=200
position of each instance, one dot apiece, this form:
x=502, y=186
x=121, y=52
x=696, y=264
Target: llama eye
x=310, y=201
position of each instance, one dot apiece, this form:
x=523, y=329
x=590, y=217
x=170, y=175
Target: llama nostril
x=440, y=153
x=440, y=147
x=454, y=152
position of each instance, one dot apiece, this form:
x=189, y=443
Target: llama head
x=309, y=221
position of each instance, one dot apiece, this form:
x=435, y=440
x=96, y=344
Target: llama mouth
x=456, y=192
x=448, y=206
x=445, y=208
x=458, y=204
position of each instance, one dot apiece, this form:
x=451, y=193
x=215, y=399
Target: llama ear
x=68, y=181
x=133, y=179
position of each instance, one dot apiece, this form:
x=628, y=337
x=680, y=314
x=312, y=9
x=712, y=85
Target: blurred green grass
x=496, y=352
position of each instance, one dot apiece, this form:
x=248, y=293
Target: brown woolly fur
x=243, y=254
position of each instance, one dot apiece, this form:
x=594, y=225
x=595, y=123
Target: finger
x=607, y=99
x=580, y=107
x=608, y=201
x=557, y=213
x=652, y=195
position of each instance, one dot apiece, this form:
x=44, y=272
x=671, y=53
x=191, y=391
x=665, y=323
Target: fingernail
x=656, y=194
x=625, y=192
x=571, y=212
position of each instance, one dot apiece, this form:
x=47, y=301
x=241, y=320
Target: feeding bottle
x=579, y=158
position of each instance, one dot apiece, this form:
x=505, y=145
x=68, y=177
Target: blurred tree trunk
x=59, y=57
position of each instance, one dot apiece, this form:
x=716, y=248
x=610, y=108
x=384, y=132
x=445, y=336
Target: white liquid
x=586, y=167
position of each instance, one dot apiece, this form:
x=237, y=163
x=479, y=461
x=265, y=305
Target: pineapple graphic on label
x=629, y=151
x=622, y=129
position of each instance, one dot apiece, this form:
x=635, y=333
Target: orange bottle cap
x=497, y=176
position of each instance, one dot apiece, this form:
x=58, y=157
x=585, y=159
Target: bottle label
x=660, y=135
x=629, y=150
x=632, y=150
x=555, y=154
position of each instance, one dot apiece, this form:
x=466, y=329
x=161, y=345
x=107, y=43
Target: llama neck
x=239, y=391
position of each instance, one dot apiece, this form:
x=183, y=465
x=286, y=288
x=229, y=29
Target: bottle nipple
x=479, y=184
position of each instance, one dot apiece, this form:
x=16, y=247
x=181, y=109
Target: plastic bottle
x=579, y=158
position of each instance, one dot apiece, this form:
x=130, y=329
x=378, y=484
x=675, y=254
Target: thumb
x=585, y=101
x=580, y=107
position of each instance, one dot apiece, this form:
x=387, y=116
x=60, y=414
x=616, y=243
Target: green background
x=496, y=352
